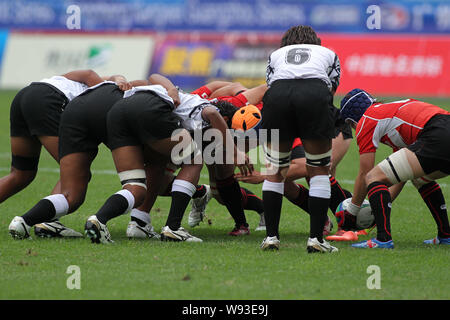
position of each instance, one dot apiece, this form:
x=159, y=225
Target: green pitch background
x=221, y=267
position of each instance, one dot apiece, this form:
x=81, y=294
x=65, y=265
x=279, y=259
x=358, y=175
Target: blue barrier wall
x=399, y=16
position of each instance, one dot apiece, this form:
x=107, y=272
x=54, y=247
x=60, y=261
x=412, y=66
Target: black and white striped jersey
x=304, y=61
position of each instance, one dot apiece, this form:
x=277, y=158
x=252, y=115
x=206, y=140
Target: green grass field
x=221, y=267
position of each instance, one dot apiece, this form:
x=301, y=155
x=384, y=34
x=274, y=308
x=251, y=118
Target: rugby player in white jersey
x=302, y=77
x=82, y=128
x=149, y=115
x=34, y=121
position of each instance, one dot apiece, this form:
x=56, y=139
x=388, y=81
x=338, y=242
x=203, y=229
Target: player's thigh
x=181, y=143
x=50, y=143
x=128, y=158
x=400, y=166
x=25, y=146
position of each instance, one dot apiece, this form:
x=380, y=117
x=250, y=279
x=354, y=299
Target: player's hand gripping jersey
x=304, y=61
x=395, y=124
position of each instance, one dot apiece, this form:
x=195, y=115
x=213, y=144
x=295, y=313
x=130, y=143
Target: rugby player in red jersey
x=419, y=134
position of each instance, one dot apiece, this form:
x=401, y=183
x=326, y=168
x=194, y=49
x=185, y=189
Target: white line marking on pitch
x=203, y=175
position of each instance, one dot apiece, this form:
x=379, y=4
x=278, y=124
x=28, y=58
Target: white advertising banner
x=31, y=57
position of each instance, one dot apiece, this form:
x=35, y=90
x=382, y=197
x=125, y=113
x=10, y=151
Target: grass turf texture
x=221, y=267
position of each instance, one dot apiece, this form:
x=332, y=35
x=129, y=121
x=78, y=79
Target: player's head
x=354, y=104
x=226, y=110
x=300, y=35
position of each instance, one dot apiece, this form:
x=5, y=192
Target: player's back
x=304, y=61
x=396, y=124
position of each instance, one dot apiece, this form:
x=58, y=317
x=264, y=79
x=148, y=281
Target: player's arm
x=172, y=90
x=120, y=80
x=216, y=121
x=137, y=83
x=256, y=94
x=216, y=85
x=255, y=178
x=229, y=90
x=88, y=77
x=366, y=163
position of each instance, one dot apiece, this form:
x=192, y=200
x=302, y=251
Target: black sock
x=43, y=211
x=380, y=202
x=230, y=192
x=338, y=194
x=432, y=195
x=301, y=200
x=168, y=190
x=201, y=190
x=180, y=201
x=272, y=212
x=115, y=206
x=251, y=202
x=318, y=216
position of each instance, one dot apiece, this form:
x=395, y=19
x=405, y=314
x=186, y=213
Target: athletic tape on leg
x=277, y=158
x=318, y=160
x=396, y=167
x=134, y=177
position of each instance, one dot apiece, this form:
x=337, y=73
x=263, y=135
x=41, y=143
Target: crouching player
x=82, y=129
x=149, y=116
x=35, y=117
x=223, y=185
x=419, y=134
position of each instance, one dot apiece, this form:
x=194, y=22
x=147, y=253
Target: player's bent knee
x=138, y=193
x=421, y=181
x=74, y=201
x=22, y=178
x=396, y=167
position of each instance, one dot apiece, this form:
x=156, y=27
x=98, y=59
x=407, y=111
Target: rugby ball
x=365, y=218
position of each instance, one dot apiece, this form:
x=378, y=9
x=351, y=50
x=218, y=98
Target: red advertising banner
x=393, y=65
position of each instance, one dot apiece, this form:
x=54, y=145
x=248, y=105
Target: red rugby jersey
x=395, y=124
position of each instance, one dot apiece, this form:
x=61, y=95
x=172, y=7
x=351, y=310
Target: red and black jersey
x=395, y=124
